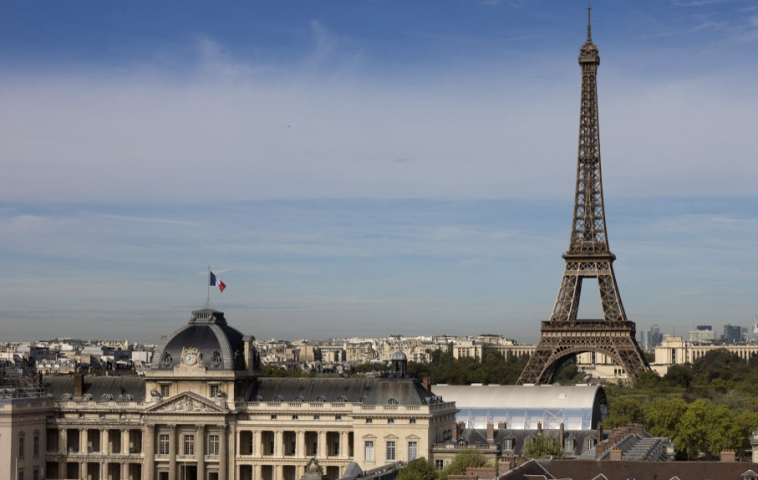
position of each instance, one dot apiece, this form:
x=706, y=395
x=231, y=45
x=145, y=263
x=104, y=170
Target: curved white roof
x=578, y=407
x=520, y=396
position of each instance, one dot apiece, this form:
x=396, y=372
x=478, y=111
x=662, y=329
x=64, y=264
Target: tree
x=418, y=469
x=624, y=411
x=648, y=379
x=679, y=376
x=463, y=460
x=663, y=415
x=708, y=429
x=543, y=446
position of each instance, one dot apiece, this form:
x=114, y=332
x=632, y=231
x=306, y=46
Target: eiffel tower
x=588, y=256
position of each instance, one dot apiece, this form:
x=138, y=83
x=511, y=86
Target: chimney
x=490, y=433
x=616, y=454
x=539, y=428
x=501, y=425
x=457, y=431
x=562, y=433
x=427, y=383
x=78, y=385
x=600, y=449
x=728, y=456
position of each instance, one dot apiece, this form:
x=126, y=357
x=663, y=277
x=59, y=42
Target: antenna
x=589, y=21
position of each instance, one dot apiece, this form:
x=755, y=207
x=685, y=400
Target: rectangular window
x=390, y=421
x=20, y=475
x=213, y=444
x=412, y=451
x=214, y=391
x=189, y=444
x=369, y=450
x=35, y=474
x=439, y=464
x=21, y=445
x=368, y=420
x=390, y=451
x=35, y=445
x=165, y=390
x=412, y=421
x=163, y=444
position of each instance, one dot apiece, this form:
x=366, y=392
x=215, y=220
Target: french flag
x=215, y=281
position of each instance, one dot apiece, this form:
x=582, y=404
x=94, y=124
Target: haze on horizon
x=368, y=168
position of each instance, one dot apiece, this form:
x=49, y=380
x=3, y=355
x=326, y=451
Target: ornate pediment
x=184, y=403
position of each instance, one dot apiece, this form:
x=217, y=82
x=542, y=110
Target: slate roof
x=221, y=346
x=97, y=386
x=624, y=470
x=518, y=437
x=373, y=391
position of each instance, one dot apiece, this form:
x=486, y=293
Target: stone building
x=204, y=411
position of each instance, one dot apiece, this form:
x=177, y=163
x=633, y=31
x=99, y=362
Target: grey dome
x=221, y=347
x=399, y=355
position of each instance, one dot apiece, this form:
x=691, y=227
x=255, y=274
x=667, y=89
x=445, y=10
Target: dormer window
x=321, y=399
x=299, y=399
x=392, y=401
x=278, y=399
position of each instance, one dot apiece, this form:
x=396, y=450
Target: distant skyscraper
x=732, y=333
x=649, y=339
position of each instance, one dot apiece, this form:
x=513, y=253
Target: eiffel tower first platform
x=588, y=256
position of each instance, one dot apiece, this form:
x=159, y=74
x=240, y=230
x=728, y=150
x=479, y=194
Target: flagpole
x=208, y=284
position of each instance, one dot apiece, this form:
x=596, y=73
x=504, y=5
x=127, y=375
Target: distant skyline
x=368, y=168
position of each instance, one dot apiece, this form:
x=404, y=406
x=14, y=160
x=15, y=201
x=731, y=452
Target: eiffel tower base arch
x=563, y=339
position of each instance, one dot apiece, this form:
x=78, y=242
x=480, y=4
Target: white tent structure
x=521, y=407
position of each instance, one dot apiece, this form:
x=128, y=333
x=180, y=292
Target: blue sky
x=368, y=168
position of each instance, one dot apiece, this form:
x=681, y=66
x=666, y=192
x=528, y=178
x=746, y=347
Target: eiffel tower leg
x=567, y=302
x=610, y=300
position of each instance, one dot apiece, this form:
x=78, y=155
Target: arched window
x=278, y=399
x=258, y=398
x=299, y=398
x=321, y=399
x=392, y=401
x=342, y=399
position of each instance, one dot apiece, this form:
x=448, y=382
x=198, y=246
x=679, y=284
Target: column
x=172, y=445
x=200, y=449
x=63, y=447
x=279, y=444
x=125, y=470
x=256, y=472
x=323, y=448
x=257, y=445
x=148, y=452
x=125, y=441
x=104, y=447
x=63, y=441
x=82, y=440
x=343, y=445
x=301, y=444
x=223, y=461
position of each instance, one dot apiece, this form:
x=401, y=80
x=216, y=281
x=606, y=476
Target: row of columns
x=84, y=437
x=175, y=443
x=258, y=449
x=104, y=450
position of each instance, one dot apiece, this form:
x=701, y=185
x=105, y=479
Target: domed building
x=206, y=412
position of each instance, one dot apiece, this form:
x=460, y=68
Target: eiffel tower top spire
x=588, y=54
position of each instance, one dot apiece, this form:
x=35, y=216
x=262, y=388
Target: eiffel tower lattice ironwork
x=588, y=256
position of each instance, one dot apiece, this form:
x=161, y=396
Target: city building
x=204, y=411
